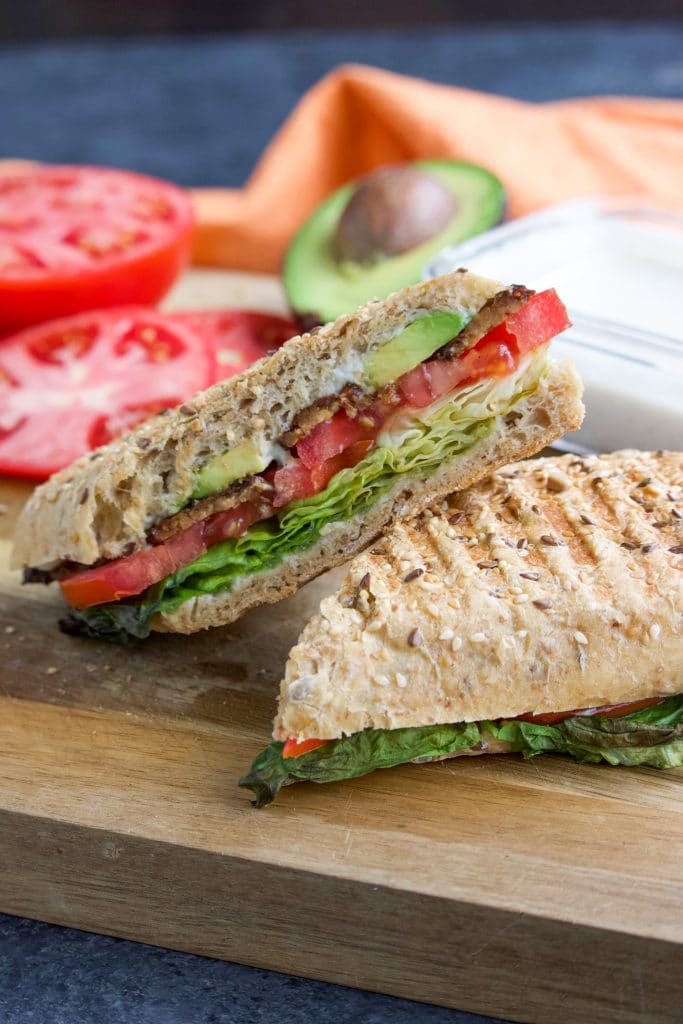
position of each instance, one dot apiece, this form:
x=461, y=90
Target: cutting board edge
x=511, y=965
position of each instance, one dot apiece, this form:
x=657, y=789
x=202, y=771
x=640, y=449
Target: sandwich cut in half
x=267, y=479
x=540, y=611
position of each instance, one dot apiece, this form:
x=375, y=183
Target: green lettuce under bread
x=652, y=737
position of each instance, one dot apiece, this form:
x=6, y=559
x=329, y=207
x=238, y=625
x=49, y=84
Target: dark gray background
x=45, y=19
x=199, y=110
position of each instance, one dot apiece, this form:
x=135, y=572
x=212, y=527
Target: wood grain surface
x=541, y=891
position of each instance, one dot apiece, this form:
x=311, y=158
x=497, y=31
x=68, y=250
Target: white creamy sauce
x=348, y=371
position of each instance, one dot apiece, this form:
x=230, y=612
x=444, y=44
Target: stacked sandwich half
x=266, y=480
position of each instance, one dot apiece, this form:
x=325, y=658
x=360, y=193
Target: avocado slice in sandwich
x=494, y=625
x=375, y=235
x=264, y=481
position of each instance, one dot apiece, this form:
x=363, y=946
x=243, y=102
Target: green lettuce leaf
x=652, y=737
x=429, y=438
x=355, y=755
x=116, y=623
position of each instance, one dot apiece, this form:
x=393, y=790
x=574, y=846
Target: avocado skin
x=322, y=288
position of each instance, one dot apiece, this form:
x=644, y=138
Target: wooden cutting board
x=539, y=891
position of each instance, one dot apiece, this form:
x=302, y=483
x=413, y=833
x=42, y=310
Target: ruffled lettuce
x=351, y=756
x=424, y=442
x=652, y=737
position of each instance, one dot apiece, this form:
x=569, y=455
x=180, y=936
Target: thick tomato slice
x=439, y=377
x=294, y=748
x=416, y=386
x=131, y=575
x=77, y=238
x=341, y=431
x=539, y=320
x=292, y=482
x=322, y=474
x=295, y=481
x=233, y=523
x=239, y=337
x=73, y=384
x=126, y=577
x=608, y=710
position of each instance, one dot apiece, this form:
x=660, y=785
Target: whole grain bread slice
x=104, y=504
x=554, y=584
x=551, y=410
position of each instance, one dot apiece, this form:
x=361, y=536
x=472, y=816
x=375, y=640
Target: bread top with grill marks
x=555, y=584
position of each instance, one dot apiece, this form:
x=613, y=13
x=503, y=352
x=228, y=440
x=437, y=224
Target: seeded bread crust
x=553, y=585
x=553, y=409
x=105, y=503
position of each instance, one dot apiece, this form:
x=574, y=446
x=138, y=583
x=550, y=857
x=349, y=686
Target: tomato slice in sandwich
x=126, y=577
x=295, y=748
x=133, y=574
x=539, y=320
x=73, y=384
x=606, y=710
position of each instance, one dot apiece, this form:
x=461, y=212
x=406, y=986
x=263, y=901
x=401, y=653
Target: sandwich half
x=540, y=611
x=264, y=481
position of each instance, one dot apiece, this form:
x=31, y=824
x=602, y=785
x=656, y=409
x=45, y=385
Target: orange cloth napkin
x=357, y=118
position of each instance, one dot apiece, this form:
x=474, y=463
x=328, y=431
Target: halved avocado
x=321, y=285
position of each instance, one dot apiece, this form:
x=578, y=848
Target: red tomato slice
x=539, y=320
x=438, y=377
x=76, y=238
x=415, y=386
x=608, y=710
x=333, y=436
x=239, y=337
x=133, y=574
x=292, y=482
x=352, y=455
x=126, y=577
x=328, y=439
x=295, y=481
x=73, y=384
x=617, y=710
x=293, y=748
x=234, y=523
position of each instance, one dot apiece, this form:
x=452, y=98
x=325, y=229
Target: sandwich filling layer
x=648, y=732
x=336, y=461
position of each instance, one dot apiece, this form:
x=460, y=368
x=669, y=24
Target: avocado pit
x=393, y=222
x=391, y=211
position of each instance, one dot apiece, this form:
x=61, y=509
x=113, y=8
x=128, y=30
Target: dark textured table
x=199, y=111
